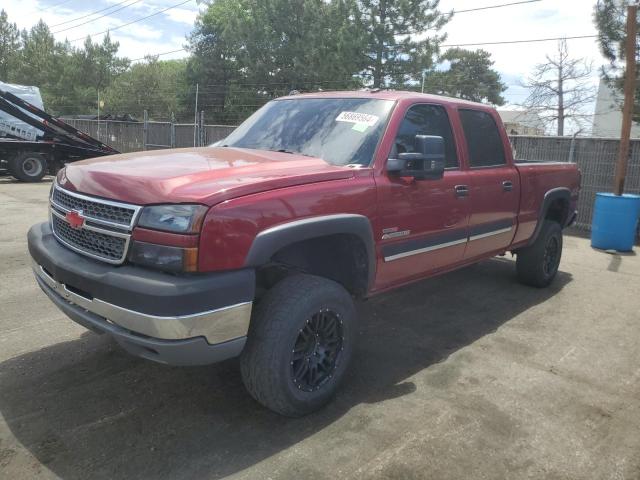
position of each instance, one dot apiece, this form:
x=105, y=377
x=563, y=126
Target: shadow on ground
x=87, y=410
x=8, y=179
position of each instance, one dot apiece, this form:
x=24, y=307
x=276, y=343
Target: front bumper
x=179, y=320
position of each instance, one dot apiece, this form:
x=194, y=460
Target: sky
x=166, y=31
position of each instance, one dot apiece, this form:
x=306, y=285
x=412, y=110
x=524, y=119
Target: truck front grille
x=94, y=227
x=96, y=209
x=96, y=244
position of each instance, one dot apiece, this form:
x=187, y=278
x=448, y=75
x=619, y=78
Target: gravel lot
x=468, y=375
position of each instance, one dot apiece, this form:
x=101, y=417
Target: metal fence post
x=201, y=135
x=172, y=133
x=572, y=148
x=145, y=130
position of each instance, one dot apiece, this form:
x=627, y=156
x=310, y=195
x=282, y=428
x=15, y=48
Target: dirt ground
x=469, y=375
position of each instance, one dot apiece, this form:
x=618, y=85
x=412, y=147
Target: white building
x=607, y=119
x=518, y=122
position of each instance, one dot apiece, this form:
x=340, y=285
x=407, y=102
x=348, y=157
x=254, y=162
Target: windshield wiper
x=284, y=150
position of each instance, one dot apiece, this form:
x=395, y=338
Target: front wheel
x=537, y=265
x=28, y=166
x=299, y=345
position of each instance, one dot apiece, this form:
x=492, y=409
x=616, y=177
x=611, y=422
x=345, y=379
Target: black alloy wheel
x=316, y=353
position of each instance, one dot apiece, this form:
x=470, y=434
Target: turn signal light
x=163, y=257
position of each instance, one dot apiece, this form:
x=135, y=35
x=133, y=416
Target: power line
x=455, y=11
x=505, y=42
x=132, y=22
x=495, y=6
x=158, y=54
x=97, y=18
x=510, y=42
x=89, y=14
x=52, y=6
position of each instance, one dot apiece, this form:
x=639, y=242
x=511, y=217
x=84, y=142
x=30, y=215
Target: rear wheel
x=537, y=265
x=28, y=166
x=299, y=344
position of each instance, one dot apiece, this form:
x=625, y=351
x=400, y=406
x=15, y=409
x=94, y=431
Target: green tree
x=38, y=63
x=85, y=72
x=610, y=17
x=212, y=66
x=245, y=52
x=470, y=76
x=395, y=56
x=152, y=85
x=9, y=47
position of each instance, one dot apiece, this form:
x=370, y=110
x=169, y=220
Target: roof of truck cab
x=394, y=95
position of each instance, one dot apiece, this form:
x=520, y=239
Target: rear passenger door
x=494, y=189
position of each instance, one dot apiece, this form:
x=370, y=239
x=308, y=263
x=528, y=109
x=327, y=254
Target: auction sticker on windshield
x=358, y=118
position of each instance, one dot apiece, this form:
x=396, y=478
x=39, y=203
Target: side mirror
x=425, y=164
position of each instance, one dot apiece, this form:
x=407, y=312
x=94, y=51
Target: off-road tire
x=275, y=331
x=28, y=166
x=537, y=265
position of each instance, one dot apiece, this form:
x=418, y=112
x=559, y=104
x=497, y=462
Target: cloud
x=527, y=21
x=138, y=31
x=167, y=31
x=182, y=15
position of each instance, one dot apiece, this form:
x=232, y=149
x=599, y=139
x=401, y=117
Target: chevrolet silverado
x=259, y=246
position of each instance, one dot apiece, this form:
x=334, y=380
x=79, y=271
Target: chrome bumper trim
x=216, y=326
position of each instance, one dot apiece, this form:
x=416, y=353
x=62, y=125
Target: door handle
x=461, y=190
x=507, y=186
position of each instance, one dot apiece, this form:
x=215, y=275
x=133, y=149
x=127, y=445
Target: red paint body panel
x=250, y=191
x=230, y=227
x=194, y=175
x=535, y=181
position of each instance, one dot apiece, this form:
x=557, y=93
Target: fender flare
x=269, y=241
x=560, y=193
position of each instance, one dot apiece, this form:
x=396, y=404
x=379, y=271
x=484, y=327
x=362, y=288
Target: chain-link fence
x=595, y=157
x=136, y=136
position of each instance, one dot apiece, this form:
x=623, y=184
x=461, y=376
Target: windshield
x=341, y=131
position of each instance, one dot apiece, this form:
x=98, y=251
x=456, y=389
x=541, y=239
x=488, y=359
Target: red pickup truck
x=259, y=246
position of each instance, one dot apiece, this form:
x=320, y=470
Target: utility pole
x=195, y=118
x=629, y=98
x=423, y=75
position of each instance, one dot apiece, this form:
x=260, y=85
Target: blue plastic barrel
x=615, y=221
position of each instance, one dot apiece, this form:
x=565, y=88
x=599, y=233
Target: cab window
x=483, y=139
x=426, y=120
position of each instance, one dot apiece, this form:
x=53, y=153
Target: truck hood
x=194, y=175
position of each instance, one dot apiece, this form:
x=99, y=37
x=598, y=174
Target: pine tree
x=610, y=17
x=396, y=53
x=9, y=48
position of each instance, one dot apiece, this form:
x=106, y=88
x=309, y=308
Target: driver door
x=423, y=222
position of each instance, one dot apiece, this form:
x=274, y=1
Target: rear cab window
x=484, y=142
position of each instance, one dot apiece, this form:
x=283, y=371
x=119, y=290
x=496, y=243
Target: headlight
x=173, y=218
